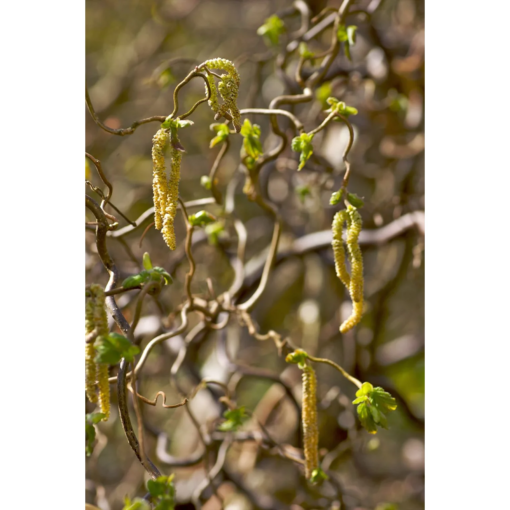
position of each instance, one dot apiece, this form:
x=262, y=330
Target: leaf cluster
x=271, y=30
x=112, y=348
x=373, y=403
x=251, y=139
x=303, y=144
x=234, y=418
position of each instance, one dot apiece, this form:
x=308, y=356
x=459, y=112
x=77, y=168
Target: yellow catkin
x=338, y=247
x=228, y=88
x=90, y=352
x=356, y=286
x=354, y=281
x=159, y=180
x=172, y=198
x=310, y=427
x=355, y=317
x=95, y=318
x=104, y=389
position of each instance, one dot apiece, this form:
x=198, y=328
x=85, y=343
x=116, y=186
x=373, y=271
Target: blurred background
x=136, y=53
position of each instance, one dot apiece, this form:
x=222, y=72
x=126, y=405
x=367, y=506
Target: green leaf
x=166, y=78
x=366, y=418
x=323, y=92
x=303, y=144
x=336, y=197
x=351, y=34
x=383, y=400
x=112, y=348
x=354, y=200
x=373, y=403
x=147, y=263
x=305, y=52
x=222, y=133
x=302, y=192
x=386, y=506
x=201, y=218
x=341, y=33
x=234, y=418
x=251, y=141
x=205, y=181
x=214, y=232
x=271, y=30
x=90, y=431
x=136, y=504
x=136, y=280
x=340, y=107
x=318, y=476
x=94, y=417
x=298, y=357
x=163, y=274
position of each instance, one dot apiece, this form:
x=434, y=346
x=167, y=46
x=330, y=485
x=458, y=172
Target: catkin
x=159, y=180
x=354, y=281
x=338, y=247
x=228, y=88
x=104, y=389
x=172, y=199
x=95, y=319
x=90, y=352
x=355, y=224
x=310, y=427
x=166, y=190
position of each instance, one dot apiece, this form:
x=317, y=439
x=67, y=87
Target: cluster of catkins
x=96, y=374
x=166, y=190
x=228, y=88
x=354, y=281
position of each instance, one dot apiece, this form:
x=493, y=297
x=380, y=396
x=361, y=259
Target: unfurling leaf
x=303, y=144
x=251, y=142
x=234, y=418
x=112, y=348
x=271, y=30
x=201, y=218
x=373, y=403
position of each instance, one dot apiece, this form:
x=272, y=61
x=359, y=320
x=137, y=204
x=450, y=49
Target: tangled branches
x=205, y=295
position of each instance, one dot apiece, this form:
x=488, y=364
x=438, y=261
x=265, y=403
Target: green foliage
x=112, y=348
x=318, y=476
x=302, y=192
x=298, y=357
x=90, y=431
x=324, y=92
x=340, y=107
x=174, y=125
x=136, y=504
x=305, y=52
x=146, y=261
x=251, y=142
x=386, y=506
x=271, y=30
x=166, y=78
x=162, y=491
x=214, y=231
x=373, y=403
x=354, y=200
x=157, y=274
x=347, y=35
x=222, y=133
x=234, y=418
x=201, y=218
x=303, y=144
x=336, y=197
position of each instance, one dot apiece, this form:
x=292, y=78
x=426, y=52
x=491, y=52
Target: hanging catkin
x=354, y=281
x=95, y=319
x=228, y=88
x=310, y=427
